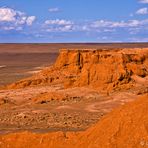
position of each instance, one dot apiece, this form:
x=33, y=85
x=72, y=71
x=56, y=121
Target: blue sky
x=45, y=21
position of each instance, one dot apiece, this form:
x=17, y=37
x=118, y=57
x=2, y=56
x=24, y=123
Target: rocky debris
x=124, y=127
x=53, y=108
x=48, y=120
x=142, y=91
x=5, y=101
x=47, y=97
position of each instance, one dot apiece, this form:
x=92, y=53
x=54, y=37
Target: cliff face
x=100, y=69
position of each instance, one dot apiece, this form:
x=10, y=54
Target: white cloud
x=109, y=24
x=58, y=22
x=8, y=28
x=119, y=24
x=96, y=26
x=132, y=23
x=105, y=23
x=109, y=30
x=30, y=20
x=59, y=25
x=67, y=28
x=143, y=1
x=53, y=9
x=7, y=14
x=11, y=19
x=142, y=11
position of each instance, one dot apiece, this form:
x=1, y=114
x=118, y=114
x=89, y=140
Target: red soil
x=127, y=126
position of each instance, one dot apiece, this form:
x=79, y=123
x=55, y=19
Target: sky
x=48, y=21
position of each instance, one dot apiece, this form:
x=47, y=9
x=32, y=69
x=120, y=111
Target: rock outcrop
x=101, y=69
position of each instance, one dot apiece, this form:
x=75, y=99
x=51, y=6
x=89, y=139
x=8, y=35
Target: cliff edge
x=100, y=69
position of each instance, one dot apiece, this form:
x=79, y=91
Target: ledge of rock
x=100, y=69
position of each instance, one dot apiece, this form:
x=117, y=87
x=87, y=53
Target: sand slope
x=125, y=127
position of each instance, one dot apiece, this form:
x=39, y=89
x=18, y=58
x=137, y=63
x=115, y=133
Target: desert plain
x=73, y=95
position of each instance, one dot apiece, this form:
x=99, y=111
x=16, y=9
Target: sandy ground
x=19, y=111
x=15, y=66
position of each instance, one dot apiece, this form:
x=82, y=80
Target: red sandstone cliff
x=100, y=69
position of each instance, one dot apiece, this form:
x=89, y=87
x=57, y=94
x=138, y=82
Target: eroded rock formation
x=101, y=69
